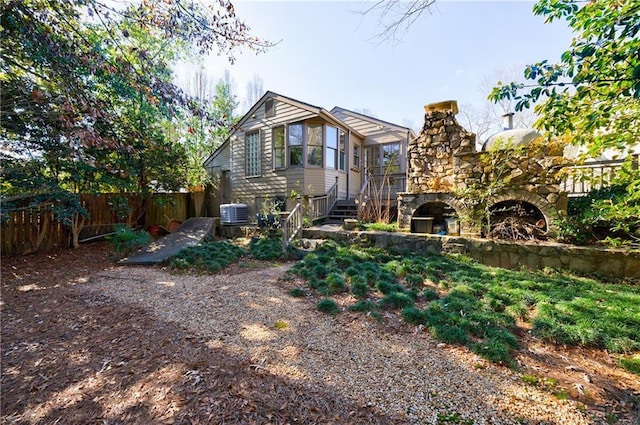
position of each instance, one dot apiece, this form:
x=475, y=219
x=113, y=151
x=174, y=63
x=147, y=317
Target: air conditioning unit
x=234, y=213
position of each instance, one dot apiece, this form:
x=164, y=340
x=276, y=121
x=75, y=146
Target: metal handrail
x=361, y=195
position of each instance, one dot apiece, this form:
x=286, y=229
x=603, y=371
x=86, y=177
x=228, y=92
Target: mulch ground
x=72, y=358
x=69, y=357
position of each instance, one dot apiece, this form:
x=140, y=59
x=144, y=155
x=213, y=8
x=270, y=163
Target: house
x=282, y=148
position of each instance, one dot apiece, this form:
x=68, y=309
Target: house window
x=253, y=155
x=295, y=139
x=314, y=145
x=356, y=156
x=269, y=108
x=342, y=141
x=331, y=158
x=372, y=160
x=391, y=157
x=277, y=136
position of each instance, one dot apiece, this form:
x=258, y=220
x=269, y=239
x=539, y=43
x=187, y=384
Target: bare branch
x=397, y=16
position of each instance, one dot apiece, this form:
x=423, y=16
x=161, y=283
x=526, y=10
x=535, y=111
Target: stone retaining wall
x=510, y=255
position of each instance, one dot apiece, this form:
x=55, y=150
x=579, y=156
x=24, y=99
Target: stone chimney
x=432, y=155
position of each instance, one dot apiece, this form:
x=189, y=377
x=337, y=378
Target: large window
x=372, y=160
x=279, y=159
x=331, y=137
x=295, y=145
x=314, y=145
x=253, y=154
x=343, y=148
x=383, y=159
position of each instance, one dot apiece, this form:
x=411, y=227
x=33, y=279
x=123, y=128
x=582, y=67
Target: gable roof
x=338, y=109
x=317, y=110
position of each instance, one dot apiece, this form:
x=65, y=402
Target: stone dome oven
x=444, y=168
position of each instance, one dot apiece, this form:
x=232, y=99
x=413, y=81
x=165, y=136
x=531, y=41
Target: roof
x=303, y=105
x=372, y=119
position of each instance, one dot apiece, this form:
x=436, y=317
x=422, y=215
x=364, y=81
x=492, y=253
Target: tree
x=592, y=96
x=255, y=90
x=396, y=16
x=88, y=90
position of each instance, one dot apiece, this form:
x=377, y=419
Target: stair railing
x=292, y=225
x=363, y=196
x=320, y=206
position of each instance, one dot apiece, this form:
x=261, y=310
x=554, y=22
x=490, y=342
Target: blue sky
x=328, y=53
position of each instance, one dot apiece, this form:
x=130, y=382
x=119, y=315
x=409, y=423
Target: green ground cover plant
x=463, y=302
x=207, y=256
x=125, y=239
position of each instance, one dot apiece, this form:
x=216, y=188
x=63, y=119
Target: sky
x=328, y=53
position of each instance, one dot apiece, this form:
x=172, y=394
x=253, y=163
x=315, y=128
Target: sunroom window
x=314, y=145
x=331, y=158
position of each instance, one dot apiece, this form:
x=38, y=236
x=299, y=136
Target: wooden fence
x=26, y=230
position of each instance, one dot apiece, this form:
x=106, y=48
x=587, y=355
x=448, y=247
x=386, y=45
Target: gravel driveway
x=401, y=371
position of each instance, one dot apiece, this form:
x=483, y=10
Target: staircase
x=344, y=208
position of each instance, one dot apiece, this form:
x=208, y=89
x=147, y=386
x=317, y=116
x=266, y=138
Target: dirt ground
x=67, y=354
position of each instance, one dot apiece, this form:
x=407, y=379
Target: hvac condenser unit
x=233, y=213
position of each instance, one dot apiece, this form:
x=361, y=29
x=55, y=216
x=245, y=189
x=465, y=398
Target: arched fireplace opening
x=517, y=219
x=434, y=217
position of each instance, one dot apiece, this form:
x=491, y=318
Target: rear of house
x=283, y=148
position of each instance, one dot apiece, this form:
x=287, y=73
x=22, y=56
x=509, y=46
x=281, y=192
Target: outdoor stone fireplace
x=443, y=163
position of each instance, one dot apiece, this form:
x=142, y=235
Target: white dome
x=510, y=138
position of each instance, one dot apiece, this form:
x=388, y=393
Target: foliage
x=268, y=249
x=380, y=227
x=207, y=256
x=631, y=363
x=125, y=240
x=610, y=215
x=478, y=305
x=88, y=90
x=592, y=95
x=327, y=305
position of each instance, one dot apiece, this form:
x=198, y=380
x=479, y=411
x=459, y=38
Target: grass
x=466, y=303
x=631, y=363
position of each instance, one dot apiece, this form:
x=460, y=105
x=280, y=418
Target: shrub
x=267, y=249
x=297, y=292
x=363, y=306
x=125, y=240
x=414, y=280
x=396, y=300
x=336, y=283
x=327, y=305
x=430, y=294
x=208, y=256
x=414, y=315
x=359, y=289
